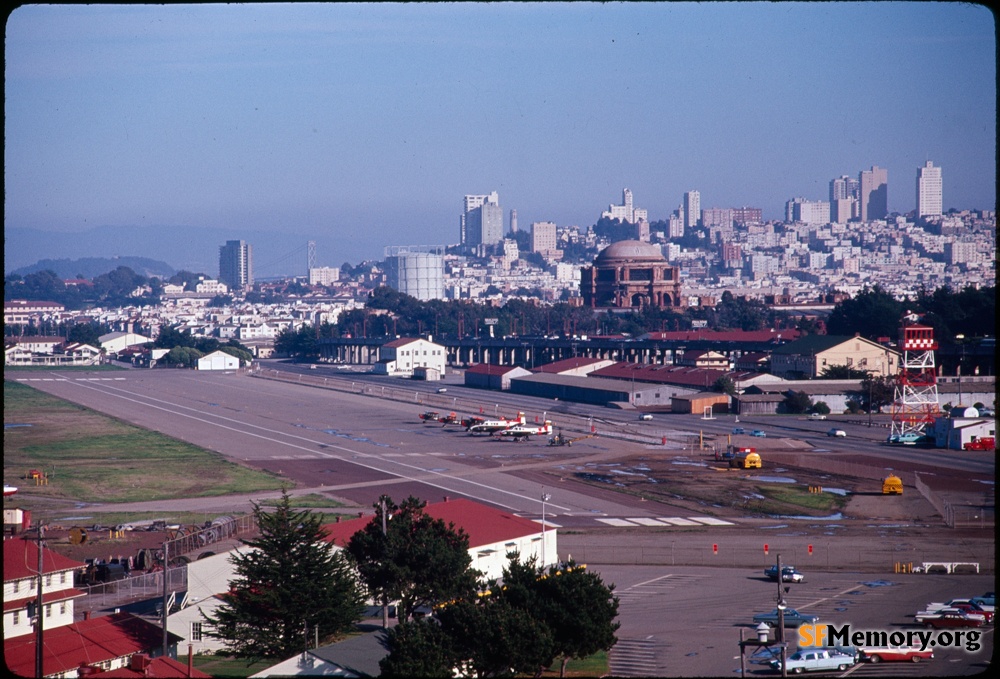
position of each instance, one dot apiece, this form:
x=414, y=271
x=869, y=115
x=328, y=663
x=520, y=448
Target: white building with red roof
x=106, y=643
x=403, y=356
x=492, y=533
x=578, y=366
x=20, y=587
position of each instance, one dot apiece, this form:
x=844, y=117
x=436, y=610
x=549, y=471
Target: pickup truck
x=814, y=660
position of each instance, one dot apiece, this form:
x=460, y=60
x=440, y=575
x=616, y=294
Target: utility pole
x=385, y=537
x=545, y=498
x=166, y=600
x=781, y=619
x=39, y=612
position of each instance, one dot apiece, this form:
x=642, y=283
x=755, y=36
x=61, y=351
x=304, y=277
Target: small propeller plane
x=522, y=432
x=492, y=426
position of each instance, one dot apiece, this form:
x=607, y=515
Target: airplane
x=491, y=426
x=435, y=416
x=471, y=420
x=522, y=432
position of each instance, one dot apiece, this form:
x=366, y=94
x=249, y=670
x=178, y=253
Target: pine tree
x=289, y=583
x=418, y=561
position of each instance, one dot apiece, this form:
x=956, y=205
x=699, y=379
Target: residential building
x=470, y=203
x=844, y=187
x=717, y=217
x=115, y=342
x=810, y=356
x=626, y=212
x=843, y=210
x=543, y=237
x=20, y=587
x=24, y=312
x=874, y=193
x=484, y=225
x=692, y=209
x=747, y=215
x=236, y=264
x=958, y=252
x=807, y=211
x=324, y=275
x=929, y=190
x=211, y=287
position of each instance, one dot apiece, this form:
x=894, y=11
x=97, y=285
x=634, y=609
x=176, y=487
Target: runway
x=350, y=447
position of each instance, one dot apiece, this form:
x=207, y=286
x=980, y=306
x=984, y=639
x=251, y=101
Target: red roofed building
x=20, y=587
x=492, y=533
x=106, y=642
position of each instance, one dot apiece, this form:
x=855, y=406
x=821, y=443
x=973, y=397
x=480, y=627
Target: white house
x=401, y=356
x=218, y=360
x=20, y=587
x=492, y=533
x=208, y=578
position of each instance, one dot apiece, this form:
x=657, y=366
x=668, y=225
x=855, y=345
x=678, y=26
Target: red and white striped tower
x=916, y=399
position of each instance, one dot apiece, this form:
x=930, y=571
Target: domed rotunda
x=630, y=274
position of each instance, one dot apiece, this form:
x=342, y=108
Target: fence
x=103, y=595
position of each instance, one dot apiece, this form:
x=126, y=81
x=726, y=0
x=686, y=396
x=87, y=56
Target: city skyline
x=281, y=118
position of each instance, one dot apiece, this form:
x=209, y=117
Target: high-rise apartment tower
x=236, y=264
x=874, y=198
x=692, y=209
x=929, y=192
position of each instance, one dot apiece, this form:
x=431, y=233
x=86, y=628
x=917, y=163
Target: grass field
x=89, y=457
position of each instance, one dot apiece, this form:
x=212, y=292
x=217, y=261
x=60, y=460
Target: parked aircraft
x=499, y=424
x=522, y=432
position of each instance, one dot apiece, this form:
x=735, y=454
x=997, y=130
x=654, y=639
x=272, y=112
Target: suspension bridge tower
x=915, y=405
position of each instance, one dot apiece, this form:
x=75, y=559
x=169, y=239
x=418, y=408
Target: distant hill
x=91, y=267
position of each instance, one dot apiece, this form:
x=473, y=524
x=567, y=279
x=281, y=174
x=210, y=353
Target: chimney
x=138, y=662
x=86, y=615
x=445, y=498
x=190, y=659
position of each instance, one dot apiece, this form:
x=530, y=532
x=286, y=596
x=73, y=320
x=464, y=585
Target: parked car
x=876, y=654
x=758, y=433
x=792, y=618
x=839, y=433
x=442, y=390
x=788, y=574
x=646, y=417
x=739, y=430
x=956, y=619
x=817, y=416
x=814, y=660
x=987, y=601
x=931, y=614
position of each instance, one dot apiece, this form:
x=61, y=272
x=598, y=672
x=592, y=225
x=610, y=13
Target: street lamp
x=545, y=498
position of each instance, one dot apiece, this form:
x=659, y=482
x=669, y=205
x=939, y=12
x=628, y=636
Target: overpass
x=534, y=351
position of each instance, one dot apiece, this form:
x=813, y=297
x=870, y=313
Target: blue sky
x=365, y=124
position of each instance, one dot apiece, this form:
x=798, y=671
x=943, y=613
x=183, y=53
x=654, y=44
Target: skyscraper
x=236, y=264
x=874, y=198
x=929, y=190
x=470, y=203
x=692, y=209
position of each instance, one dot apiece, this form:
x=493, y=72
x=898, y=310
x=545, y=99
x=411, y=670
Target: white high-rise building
x=543, y=237
x=626, y=212
x=692, y=209
x=470, y=203
x=929, y=190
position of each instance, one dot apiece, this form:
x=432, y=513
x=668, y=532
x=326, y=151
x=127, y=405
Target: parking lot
x=686, y=621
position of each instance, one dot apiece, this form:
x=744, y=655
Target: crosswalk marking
x=665, y=521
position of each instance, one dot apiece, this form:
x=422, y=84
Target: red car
x=877, y=654
x=954, y=620
x=973, y=608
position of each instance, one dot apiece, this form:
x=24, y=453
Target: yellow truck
x=892, y=485
x=745, y=458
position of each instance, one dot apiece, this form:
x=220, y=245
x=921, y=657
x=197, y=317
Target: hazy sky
x=371, y=121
